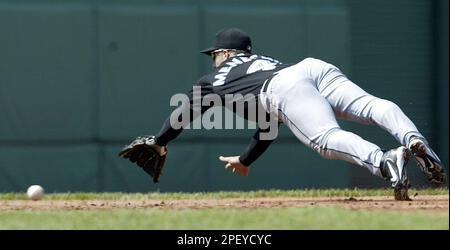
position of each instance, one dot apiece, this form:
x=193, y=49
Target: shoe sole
x=401, y=190
x=419, y=149
x=401, y=194
x=434, y=175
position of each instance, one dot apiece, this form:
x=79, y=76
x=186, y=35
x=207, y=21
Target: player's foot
x=427, y=161
x=393, y=168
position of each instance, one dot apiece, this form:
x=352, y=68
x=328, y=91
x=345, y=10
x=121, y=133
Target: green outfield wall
x=79, y=79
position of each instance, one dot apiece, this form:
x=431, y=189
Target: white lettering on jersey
x=261, y=65
x=248, y=59
x=224, y=70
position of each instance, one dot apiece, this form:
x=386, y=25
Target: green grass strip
x=225, y=194
x=215, y=218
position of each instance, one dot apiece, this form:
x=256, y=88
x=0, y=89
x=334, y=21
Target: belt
x=266, y=83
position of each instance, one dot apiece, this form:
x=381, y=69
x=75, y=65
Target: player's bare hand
x=234, y=165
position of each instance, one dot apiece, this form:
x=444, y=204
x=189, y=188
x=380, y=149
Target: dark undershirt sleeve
x=255, y=149
x=167, y=132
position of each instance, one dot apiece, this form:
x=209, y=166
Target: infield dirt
x=429, y=203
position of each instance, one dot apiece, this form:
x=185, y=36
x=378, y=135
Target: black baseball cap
x=230, y=38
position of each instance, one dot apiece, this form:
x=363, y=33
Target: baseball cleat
x=427, y=161
x=393, y=168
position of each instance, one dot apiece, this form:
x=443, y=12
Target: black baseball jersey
x=242, y=74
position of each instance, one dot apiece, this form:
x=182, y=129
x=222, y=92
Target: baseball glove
x=146, y=154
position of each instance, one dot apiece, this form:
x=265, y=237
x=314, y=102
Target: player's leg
x=351, y=102
x=311, y=118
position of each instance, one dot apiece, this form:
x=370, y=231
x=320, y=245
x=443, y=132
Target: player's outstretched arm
x=240, y=164
x=192, y=108
x=233, y=164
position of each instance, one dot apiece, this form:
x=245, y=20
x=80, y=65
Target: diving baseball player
x=307, y=97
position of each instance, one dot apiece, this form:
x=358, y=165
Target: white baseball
x=35, y=192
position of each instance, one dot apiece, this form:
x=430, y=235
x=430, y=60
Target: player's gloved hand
x=145, y=153
x=232, y=163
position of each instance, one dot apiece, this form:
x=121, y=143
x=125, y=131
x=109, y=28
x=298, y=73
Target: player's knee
x=327, y=136
x=383, y=108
